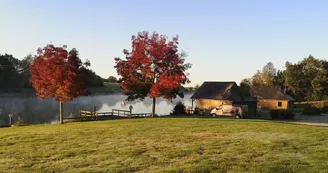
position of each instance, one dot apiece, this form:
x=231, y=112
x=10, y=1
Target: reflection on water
x=163, y=107
x=35, y=111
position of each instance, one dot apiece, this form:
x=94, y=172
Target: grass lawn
x=165, y=145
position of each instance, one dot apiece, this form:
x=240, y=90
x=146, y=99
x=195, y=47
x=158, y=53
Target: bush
x=312, y=111
x=281, y=114
x=179, y=109
x=20, y=123
x=324, y=109
x=312, y=108
x=196, y=111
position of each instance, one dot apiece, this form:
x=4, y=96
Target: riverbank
x=165, y=145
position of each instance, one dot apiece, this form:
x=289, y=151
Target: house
x=212, y=94
x=269, y=97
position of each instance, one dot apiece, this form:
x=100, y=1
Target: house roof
x=269, y=92
x=218, y=91
x=250, y=99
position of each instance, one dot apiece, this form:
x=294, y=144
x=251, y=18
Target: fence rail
x=141, y=115
x=86, y=115
x=312, y=102
x=119, y=112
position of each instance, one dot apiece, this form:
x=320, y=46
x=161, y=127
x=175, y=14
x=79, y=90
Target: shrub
x=289, y=114
x=196, y=111
x=281, y=114
x=312, y=111
x=312, y=108
x=324, y=109
x=179, y=109
x=20, y=123
x=274, y=113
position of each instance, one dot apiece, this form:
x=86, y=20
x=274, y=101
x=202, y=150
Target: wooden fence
x=114, y=114
x=118, y=112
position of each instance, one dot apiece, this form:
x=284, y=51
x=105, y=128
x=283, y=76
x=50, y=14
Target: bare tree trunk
x=61, y=112
x=154, y=103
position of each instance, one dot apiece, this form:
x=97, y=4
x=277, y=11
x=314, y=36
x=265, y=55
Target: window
x=279, y=104
x=219, y=107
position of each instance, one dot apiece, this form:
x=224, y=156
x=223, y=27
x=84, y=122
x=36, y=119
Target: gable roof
x=218, y=91
x=269, y=92
x=250, y=99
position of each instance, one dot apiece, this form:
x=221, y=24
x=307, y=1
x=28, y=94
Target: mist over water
x=34, y=111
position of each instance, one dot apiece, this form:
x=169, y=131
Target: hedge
x=281, y=114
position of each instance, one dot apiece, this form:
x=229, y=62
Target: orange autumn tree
x=56, y=73
x=154, y=67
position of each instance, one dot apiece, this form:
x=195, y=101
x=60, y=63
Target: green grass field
x=165, y=145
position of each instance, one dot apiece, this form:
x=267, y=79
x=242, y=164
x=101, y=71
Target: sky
x=225, y=40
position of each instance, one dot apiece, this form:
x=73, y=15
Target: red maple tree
x=153, y=68
x=56, y=73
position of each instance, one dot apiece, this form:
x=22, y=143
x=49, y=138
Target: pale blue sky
x=225, y=40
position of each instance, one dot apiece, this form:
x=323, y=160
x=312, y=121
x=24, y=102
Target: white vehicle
x=229, y=110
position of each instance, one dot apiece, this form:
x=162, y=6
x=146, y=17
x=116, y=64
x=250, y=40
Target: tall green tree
x=257, y=78
x=112, y=79
x=9, y=76
x=307, y=79
x=245, y=86
x=279, y=80
x=266, y=76
x=25, y=71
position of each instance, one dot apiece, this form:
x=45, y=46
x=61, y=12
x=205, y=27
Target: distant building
x=212, y=94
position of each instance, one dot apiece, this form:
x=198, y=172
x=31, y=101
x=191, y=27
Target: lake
x=34, y=111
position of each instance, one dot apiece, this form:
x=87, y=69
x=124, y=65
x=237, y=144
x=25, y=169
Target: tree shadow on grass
x=253, y=120
x=221, y=118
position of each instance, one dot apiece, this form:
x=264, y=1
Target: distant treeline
x=306, y=80
x=15, y=74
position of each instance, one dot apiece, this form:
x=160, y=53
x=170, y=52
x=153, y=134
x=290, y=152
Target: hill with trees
x=305, y=80
x=15, y=77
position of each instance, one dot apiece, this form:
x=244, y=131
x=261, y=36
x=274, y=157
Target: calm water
x=35, y=111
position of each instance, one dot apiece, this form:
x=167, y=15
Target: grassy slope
x=165, y=144
x=108, y=88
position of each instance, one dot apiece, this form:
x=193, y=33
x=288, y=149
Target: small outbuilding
x=270, y=97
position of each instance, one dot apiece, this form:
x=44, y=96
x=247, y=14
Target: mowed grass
x=165, y=145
